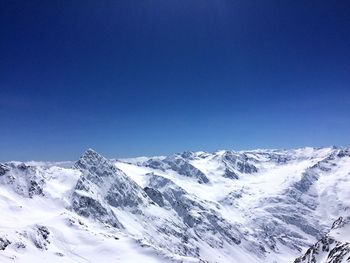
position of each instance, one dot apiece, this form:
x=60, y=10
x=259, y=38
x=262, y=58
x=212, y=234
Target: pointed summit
x=91, y=151
x=90, y=158
x=102, y=185
x=91, y=154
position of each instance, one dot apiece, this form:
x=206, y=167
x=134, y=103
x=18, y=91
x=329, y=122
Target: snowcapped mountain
x=333, y=247
x=226, y=206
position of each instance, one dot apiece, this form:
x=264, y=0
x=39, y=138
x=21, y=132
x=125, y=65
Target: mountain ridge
x=252, y=206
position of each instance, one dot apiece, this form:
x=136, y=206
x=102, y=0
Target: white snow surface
x=273, y=203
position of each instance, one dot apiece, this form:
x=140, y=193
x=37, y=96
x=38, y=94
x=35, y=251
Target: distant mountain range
x=255, y=206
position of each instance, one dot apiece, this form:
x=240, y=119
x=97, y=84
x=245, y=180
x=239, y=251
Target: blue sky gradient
x=154, y=77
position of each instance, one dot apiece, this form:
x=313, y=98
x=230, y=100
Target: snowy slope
x=42, y=227
x=226, y=206
x=333, y=247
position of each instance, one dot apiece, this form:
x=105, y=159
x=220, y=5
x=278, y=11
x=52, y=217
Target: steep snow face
x=333, y=247
x=226, y=206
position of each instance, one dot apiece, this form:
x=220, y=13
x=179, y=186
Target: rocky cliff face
x=102, y=186
x=25, y=180
x=333, y=247
x=178, y=164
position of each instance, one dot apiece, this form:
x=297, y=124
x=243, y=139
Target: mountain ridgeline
x=249, y=206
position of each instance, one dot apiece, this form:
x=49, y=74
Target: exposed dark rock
x=187, y=155
x=181, y=166
x=4, y=242
x=89, y=207
x=343, y=152
x=44, y=232
x=24, y=180
x=156, y=164
x=239, y=162
x=22, y=166
x=155, y=195
x=178, y=163
x=327, y=248
x=20, y=245
x=102, y=185
x=41, y=237
x=35, y=188
x=99, y=174
x=3, y=169
x=230, y=174
x=194, y=214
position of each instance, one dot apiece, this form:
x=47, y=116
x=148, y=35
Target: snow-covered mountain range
x=248, y=206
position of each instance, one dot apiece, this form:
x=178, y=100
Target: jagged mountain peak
x=102, y=186
x=91, y=156
x=94, y=165
x=341, y=222
x=334, y=247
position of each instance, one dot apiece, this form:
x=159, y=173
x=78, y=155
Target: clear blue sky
x=150, y=77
